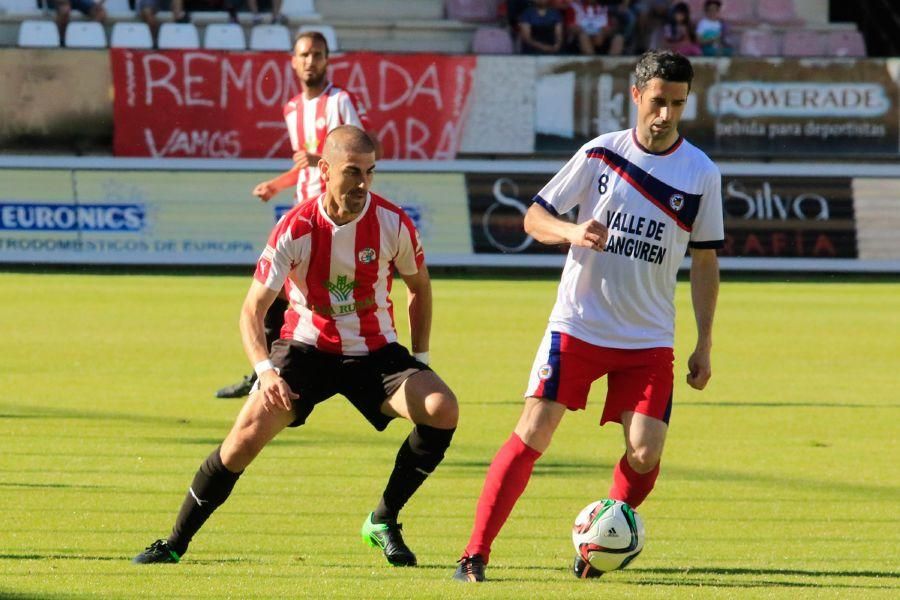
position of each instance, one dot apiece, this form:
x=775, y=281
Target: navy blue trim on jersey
x=545, y=205
x=647, y=150
x=708, y=245
x=551, y=384
x=681, y=206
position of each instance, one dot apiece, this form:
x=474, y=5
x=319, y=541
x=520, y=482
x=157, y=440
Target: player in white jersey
x=317, y=109
x=643, y=196
x=336, y=254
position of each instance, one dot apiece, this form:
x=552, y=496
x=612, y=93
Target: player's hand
x=277, y=394
x=301, y=159
x=699, y=369
x=589, y=234
x=265, y=190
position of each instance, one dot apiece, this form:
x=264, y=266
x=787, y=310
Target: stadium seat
x=760, y=42
x=270, y=37
x=848, y=43
x=327, y=31
x=777, y=12
x=85, y=34
x=492, y=40
x=178, y=35
x=130, y=35
x=118, y=8
x=738, y=12
x=224, y=36
x=473, y=11
x=38, y=34
x=803, y=42
x=477, y=11
x=299, y=8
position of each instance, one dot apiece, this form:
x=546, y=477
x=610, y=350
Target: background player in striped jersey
x=309, y=116
x=336, y=255
x=644, y=196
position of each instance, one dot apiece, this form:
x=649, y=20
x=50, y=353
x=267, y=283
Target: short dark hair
x=314, y=36
x=349, y=138
x=709, y=2
x=665, y=65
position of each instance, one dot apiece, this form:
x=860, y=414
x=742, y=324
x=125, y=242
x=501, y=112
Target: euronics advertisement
x=186, y=218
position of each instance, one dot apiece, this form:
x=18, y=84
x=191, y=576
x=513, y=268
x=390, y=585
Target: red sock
x=629, y=486
x=505, y=481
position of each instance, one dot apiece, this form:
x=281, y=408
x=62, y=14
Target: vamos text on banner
x=206, y=104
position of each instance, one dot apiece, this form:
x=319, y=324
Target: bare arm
x=419, y=308
x=276, y=392
x=549, y=229
x=704, y=292
x=266, y=189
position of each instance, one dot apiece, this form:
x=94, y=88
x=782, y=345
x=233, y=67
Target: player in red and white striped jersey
x=309, y=116
x=317, y=109
x=337, y=254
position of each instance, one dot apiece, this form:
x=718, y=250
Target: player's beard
x=317, y=80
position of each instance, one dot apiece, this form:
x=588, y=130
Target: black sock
x=419, y=455
x=211, y=486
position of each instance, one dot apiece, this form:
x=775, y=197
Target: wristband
x=422, y=357
x=263, y=366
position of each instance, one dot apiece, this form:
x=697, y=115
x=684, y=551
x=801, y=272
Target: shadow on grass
x=52, y=486
x=58, y=413
x=757, y=571
x=8, y=595
x=119, y=559
x=711, y=577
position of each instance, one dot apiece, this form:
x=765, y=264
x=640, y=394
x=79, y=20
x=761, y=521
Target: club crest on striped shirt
x=676, y=201
x=366, y=255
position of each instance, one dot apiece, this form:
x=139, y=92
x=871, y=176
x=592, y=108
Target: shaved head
x=347, y=139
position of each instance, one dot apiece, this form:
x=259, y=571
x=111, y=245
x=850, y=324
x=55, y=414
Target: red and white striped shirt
x=339, y=276
x=309, y=121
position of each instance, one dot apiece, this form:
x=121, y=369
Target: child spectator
x=597, y=29
x=679, y=33
x=711, y=30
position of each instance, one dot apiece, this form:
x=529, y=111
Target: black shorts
x=366, y=381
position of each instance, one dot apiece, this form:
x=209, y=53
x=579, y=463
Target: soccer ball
x=608, y=534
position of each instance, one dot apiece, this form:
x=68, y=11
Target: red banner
x=211, y=104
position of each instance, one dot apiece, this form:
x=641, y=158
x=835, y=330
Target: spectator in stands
x=679, y=32
x=148, y=9
x=597, y=29
x=92, y=9
x=277, y=17
x=541, y=29
x=514, y=10
x=711, y=30
x=650, y=16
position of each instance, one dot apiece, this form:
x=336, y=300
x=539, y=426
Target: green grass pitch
x=779, y=481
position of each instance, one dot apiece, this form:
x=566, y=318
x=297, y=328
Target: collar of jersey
x=334, y=225
x=320, y=94
x=646, y=150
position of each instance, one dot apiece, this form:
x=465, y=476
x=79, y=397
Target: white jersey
x=309, y=121
x=655, y=205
